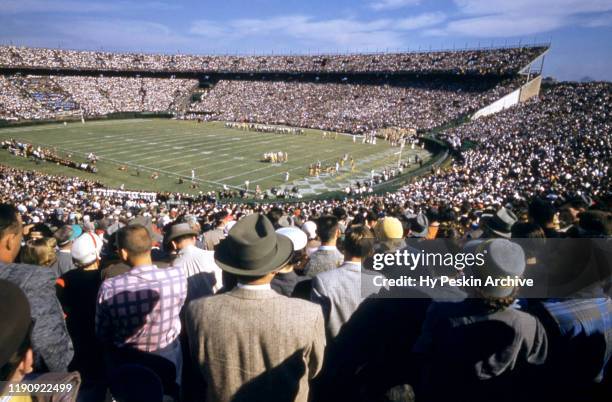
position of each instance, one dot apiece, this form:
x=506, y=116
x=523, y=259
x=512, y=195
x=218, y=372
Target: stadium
x=183, y=227
x=395, y=98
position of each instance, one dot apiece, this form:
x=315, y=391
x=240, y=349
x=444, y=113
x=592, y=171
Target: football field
x=218, y=155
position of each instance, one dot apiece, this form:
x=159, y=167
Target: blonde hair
x=39, y=252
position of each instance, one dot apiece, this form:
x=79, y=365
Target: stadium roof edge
x=545, y=45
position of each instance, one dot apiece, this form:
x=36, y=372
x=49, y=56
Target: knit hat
x=389, y=228
x=502, y=258
x=86, y=249
x=16, y=319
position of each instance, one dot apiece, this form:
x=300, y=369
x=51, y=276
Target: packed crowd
x=538, y=170
x=484, y=61
x=49, y=97
x=348, y=107
x=558, y=143
x=166, y=306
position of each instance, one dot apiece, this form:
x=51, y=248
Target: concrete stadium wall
x=507, y=101
x=531, y=89
x=524, y=93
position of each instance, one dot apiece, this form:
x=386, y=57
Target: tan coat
x=255, y=345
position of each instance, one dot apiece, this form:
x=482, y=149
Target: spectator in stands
x=340, y=291
x=214, y=236
x=418, y=226
x=204, y=277
x=137, y=314
x=543, y=213
x=327, y=256
x=39, y=252
x=578, y=319
x=310, y=228
x=77, y=291
x=65, y=235
x=52, y=346
x=221, y=328
x=498, y=224
x=500, y=345
x=16, y=356
x=286, y=278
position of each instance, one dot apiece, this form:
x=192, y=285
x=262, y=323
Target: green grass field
x=218, y=155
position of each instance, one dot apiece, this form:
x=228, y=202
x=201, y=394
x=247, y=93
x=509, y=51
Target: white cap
x=86, y=249
x=310, y=228
x=297, y=237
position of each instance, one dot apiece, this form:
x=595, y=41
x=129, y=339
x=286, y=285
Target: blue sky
x=580, y=30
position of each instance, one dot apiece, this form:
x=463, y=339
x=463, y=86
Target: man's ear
x=26, y=366
x=123, y=254
x=7, y=241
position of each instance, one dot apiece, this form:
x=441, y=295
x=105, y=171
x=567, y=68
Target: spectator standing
x=340, y=291
x=252, y=343
x=52, y=346
x=138, y=312
x=327, y=256
x=204, y=277
x=65, y=235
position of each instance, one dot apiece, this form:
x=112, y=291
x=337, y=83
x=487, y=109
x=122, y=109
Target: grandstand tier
x=501, y=61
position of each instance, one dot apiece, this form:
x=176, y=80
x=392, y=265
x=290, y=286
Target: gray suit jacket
x=340, y=292
x=323, y=260
x=255, y=345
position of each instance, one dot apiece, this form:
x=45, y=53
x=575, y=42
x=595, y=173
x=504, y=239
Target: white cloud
x=307, y=31
x=532, y=8
x=499, y=26
x=381, y=5
x=514, y=18
x=421, y=21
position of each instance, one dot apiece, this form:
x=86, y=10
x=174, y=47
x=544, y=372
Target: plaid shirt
x=581, y=319
x=141, y=308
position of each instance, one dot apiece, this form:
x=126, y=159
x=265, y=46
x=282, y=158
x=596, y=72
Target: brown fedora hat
x=253, y=248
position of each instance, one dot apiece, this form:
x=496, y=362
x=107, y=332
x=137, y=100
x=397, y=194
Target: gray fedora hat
x=253, y=248
x=500, y=223
x=419, y=225
x=178, y=230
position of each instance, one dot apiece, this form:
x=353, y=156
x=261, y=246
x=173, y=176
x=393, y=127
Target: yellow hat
x=389, y=228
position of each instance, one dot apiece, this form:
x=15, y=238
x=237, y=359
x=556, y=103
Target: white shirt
x=194, y=261
x=265, y=286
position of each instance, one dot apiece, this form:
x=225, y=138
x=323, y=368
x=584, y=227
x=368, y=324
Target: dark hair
x=494, y=304
x=542, y=212
x=327, y=227
x=526, y=230
x=358, y=241
x=9, y=368
x=274, y=215
x=135, y=239
x=9, y=223
x=340, y=213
